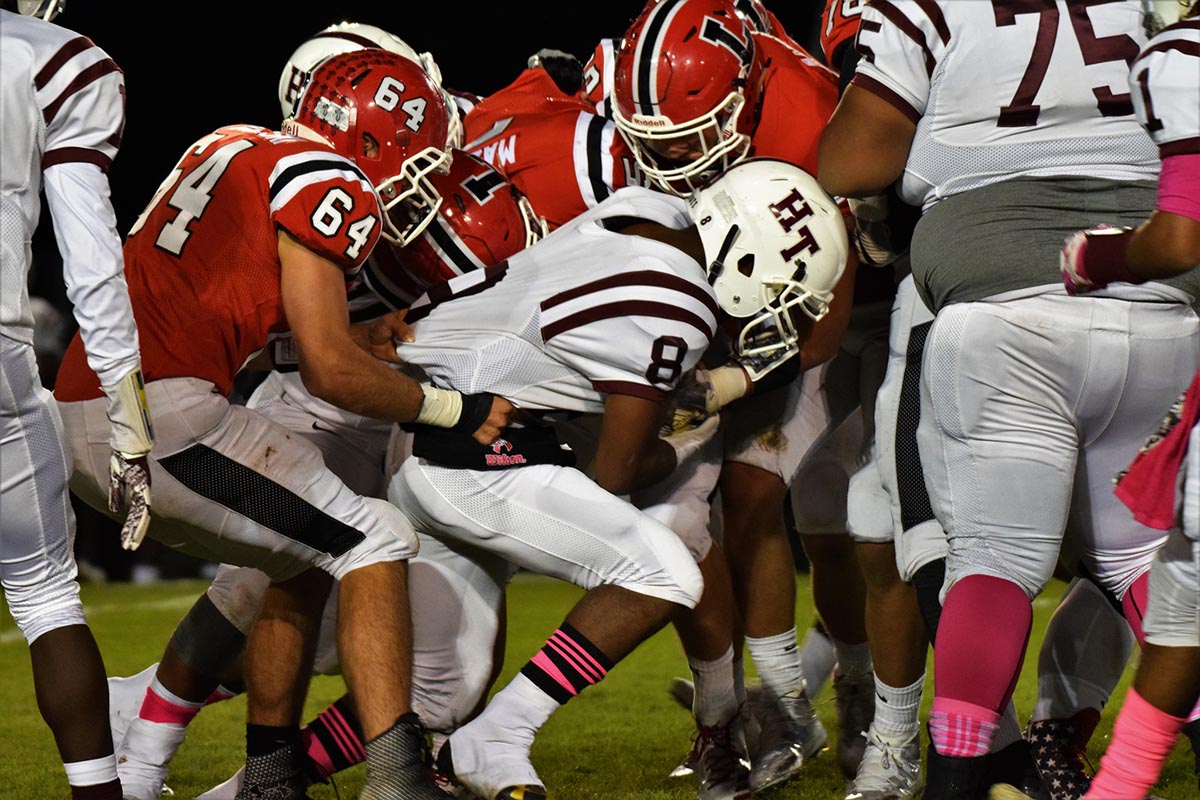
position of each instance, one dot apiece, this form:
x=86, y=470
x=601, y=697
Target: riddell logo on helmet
x=791, y=212
x=651, y=122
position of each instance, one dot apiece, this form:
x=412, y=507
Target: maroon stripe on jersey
x=934, y=12
x=906, y=26
x=624, y=308
x=89, y=76
x=1178, y=45
x=73, y=155
x=64, y=54
x=1183, y=147
x=629, y=387
x=887, y=95
x=644, y=277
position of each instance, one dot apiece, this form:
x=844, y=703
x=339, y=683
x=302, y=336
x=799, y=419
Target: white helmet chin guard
x=776, y=244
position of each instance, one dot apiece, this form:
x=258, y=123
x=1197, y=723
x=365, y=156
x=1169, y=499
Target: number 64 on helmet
x=776, y=246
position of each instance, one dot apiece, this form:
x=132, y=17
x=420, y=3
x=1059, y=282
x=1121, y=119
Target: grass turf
x=619, y=740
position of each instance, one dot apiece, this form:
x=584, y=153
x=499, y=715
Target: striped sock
x=334, y=740
x=961, y=729
x=162, y=706
x=566, y=665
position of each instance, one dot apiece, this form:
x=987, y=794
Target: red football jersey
x=839, y=24
x=202, y=261
x=553, y=147
x=798, y=97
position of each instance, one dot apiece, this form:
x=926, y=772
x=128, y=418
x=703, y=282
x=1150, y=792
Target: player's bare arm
x=1165, y=245
x=863, y=123
x=631, y=455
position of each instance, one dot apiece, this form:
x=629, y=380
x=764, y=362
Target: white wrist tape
x=728, y=384
x=441, y=407
x=132, y=435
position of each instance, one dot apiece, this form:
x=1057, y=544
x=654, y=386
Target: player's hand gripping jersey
x=583, y=313
x=204, y=303
x=1007, y=104
x=554, y=147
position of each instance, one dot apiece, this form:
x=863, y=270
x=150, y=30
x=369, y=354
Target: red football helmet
x=686, y=90
x=483, y=219
x=383, y=112
x=755, y=14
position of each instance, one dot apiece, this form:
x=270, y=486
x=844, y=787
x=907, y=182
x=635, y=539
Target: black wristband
x=475, y=411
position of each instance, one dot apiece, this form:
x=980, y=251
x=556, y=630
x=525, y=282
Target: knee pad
x=237, y=594
x=44, y=606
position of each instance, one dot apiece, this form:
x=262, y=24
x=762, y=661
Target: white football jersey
x=583, y=313
x=998, y=90
x=62, y=100
x=1165, y=85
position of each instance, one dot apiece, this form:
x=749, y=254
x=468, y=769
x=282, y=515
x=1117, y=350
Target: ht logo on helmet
x=713, y=31
x=790, y=213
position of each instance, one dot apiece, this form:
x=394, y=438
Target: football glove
x=1092, y=259
x=702, y=393
x=131, y=439
x=563, y=68
x=688, y=442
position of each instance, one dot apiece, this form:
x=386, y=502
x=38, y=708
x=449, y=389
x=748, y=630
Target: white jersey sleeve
x=64, y=111
x=1165, y=86
x=1002, y=90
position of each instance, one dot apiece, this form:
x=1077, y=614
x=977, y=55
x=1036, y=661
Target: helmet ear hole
x=745, y=264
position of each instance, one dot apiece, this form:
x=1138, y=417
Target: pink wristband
x=1179, y=185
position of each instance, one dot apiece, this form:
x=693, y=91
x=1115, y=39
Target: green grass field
x=618, y=740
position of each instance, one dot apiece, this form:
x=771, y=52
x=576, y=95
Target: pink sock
x=220, y=694
x=981, y=641
x=1133, y=605
x=1143, y=737
x=162, y=706
x=961, y=729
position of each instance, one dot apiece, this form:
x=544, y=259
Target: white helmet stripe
x=646, y=95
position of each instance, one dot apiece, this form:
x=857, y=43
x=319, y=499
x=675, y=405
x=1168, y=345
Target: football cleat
x=721, y=762
x=888, y=772
x=683, y=692
x=143, y=756
x=1059, y=757
x=854, y=696
x=523, y=793
x=227, y=789
x=791, y=736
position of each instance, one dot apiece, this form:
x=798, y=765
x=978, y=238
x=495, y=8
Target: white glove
x=687, y=443
x=131, y=439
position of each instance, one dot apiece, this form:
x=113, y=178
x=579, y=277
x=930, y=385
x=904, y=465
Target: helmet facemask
x=410, y=200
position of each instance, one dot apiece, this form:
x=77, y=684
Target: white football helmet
x=343, y=37
x=1158, y=14
x=46, y=9
x=776, y=244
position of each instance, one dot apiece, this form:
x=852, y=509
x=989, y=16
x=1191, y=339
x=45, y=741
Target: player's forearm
x=1165, y=246
x=361, y=384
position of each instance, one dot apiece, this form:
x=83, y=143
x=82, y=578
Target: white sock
x=777, y=659
x=817, y=658
x=897, y=711
x=93, y=771
x=715, y=700
x=853, y=659
x=1008, y=730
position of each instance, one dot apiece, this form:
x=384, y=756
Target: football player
x=696, y=90
x=1164, y=82
x=1007, y=354
x=63, y=102
x=300, y=212
x=551, y=144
